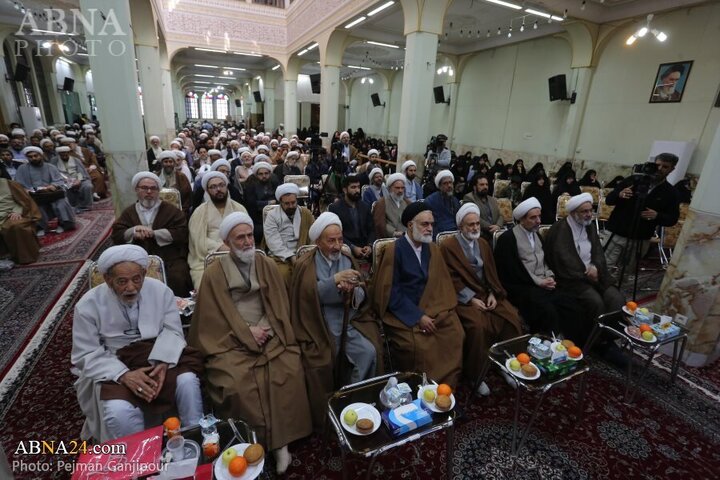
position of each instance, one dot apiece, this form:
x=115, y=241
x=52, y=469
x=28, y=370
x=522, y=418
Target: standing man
x=443, y=203
x=159, y=228
x=415, y=298
x=358, y=228
x=491, y=220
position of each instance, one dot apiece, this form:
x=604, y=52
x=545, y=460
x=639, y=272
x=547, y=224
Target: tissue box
x=665, y=330
x=406, y=418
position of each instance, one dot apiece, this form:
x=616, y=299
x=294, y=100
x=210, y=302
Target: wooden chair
x=544, y=229
x=668, y=240
x=442, y=236
x=210, y=258
x=311, y=248
x=505, y=207
x=266, y=210
x=561, y=211
x=377, y=247
x=172, y=196
x=496, y=235
x=594, y=191
x=607, y=191
x=303, y=182
x=603, y=212
x=155, y=269
x=500, y=186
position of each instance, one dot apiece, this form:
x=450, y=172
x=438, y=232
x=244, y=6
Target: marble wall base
x=691, y=286
x=122, y=167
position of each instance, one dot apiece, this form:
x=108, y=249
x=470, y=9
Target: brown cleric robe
x=317, y=344
x=263, y=385
x=18, y=236
x=174, y=256
x=97, y=176
x=482, y=329
x=438, y=354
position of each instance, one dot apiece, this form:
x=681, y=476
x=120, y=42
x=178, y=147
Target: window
x=221, y=106
x=206, y=106
x=191, y=105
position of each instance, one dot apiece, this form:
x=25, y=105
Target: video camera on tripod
x=642, y=176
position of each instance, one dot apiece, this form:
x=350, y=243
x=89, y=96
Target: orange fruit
x=172, y=423
x=444, y=389
x=237, y=466
x=523, y=358
x=631, y=306
x=644, y=327
x=574, y=352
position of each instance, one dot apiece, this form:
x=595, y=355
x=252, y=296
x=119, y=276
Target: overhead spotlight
x=631, y=39
x=499, y=32
x=565, y=13
x=642, y=32
x=582, y=5
x=661, y=37
x=488, y=34
x=478, y=33
x=535, y=25
x=510, y=32
x=522, y=27
x=461, y=33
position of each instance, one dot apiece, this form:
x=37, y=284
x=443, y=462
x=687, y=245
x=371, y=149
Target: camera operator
x=343, y=149
x=657, y=202
x=439, y=151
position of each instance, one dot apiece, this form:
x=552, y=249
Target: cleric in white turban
x=578, y=200
x=232, y=221
x=466, y=209
x=122, y=253
x=261, y=165
x=140, y=175
x=524, y=207
x=286, y=189
x=210, y=175
x=321, y=223
x=443, y=174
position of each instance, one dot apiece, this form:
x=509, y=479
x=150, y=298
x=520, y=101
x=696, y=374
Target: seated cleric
x=129, y=352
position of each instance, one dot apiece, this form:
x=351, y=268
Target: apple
x=560, y=347
x=514, y=365
x=647, y=336
x=429, y=395
x=644, y=311
x=350, y=417
x=228, y=456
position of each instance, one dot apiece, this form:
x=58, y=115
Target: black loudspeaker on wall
x=557, y=87
x=376, y=100
x=257, y=96
x=315, y=83
x=237, y=102
x=439, y=94
x=21, y=72
x=69, y=84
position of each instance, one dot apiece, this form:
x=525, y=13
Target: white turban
x=286, y=189
x=522, y=209
x=284, y=143
x=407, y=165
x=154, y=137
x=394, y=178
x=261, y=158
x=372, y=152
x=242, y=150
x=4, y=137
x=140, y=175
x=178, y=153
x=175, y=142
x=263, y=147
x=273, y=141
x=578, y=200
x=122, y=253
x=46, y=140
x=466, y=208
x=219, y=163
x=261, y=165
x=69, y=132
x=67, y=140
x=210, y=175
x=27, y=150
x=17, y=132
x=323, y=221
x=203, y=170
x=375, y=171
x=442, y=174
x=232, y=221
x=344, y=134
x=62, y=149
x=214, y=151
x=292, y=154
x=167, y=154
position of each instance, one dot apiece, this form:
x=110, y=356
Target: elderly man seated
x=18, y=218
x=485, y=313
x=171, y=177
x=526, y=276
x=158, y=227
x=387, y=213
x=415, y=298
x=491, y=220
x=46, y=186
x=205, y=223
x=129, y=351
x=79, y=188
x=286, y=228
x=443, y=203
x=252, y=359
x=574, y=252
x=323, y=282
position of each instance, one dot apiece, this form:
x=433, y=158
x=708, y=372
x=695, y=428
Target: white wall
x=62, y=70
x=89, y=86
x=396, y=88
x=362, y=113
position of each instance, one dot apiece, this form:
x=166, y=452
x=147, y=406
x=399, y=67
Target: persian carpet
x=92, y=228
x=671, y=431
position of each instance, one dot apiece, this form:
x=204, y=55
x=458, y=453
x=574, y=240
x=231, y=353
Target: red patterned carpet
x=670, y=432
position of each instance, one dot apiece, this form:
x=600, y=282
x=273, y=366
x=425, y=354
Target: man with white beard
x=574, y=252
x=388, y=211
x=415, y=298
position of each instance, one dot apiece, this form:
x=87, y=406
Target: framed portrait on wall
x=670, y=82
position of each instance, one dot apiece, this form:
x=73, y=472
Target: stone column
x=112, y=61
x=329, y=99
x=690, y=286
x=81, y=89
x=453, y=91
x=291, y=106
x=269, y=104
x=7, y=99
x=52, y=91
x=348, y=97
x=178, y=99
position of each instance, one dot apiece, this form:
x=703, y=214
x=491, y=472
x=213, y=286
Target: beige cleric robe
x=438, y=354
x=263, y=385
x=387, y=217
x=482, y=329
x=18, y=236
x=205, y=234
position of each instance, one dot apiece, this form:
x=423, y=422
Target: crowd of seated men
x=274, y=283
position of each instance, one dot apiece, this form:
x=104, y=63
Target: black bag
x=46, y=197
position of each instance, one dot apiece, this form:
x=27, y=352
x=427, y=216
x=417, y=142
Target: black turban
x=412, y=210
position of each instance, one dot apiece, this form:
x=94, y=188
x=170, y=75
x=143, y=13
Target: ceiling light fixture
x=380, y=8
x=206, y=66
x=535, y=25
x=209, y=50
x=660, y=36
x=275, y=67
x=52, y=32
x=505, y=4
x=235, y=68
x=302, y=52
x=206, y=76
x=314, y=45
x=499, y=32
x=582, y=5
x=247, y=54
x=355, y=22
x=543, y=14
x=488, y=34
x=380, y=44
x=358, y=67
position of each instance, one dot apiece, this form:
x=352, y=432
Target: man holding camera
x=440, y=152
x=637, y=214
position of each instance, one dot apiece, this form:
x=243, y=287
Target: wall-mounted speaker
x=315, y=83
x=376, y=100
x=21, y=72
x=69, y=84
x=439, y=94
x=237, y=102
x=257, y=97
x=557, y=88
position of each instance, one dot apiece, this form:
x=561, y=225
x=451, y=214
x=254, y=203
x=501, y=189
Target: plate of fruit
x=629, y=308
x=643, y=333
x=360, y=418
x=243, y=461
x=438, y=398
x=522, y=367
x=573, y=351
